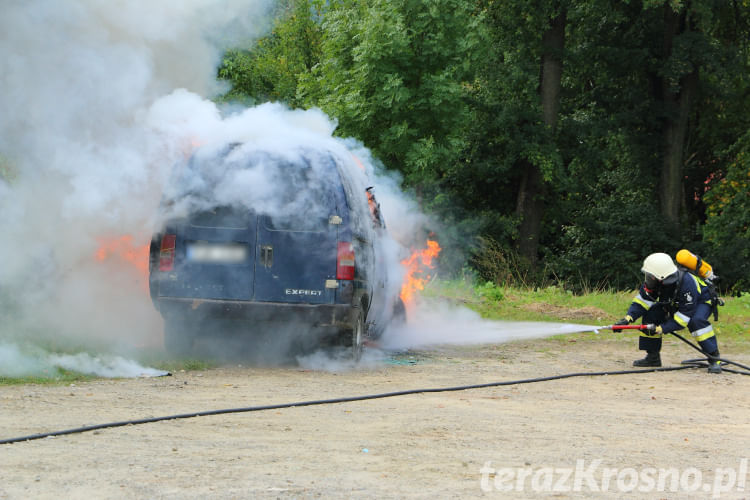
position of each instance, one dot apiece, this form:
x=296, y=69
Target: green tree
x=727, y=230
x=270, y=69
x=396, y=75
x=532, y=190
x=586, y=133
x=519, y=101
x=628, y=118
x=701, y=39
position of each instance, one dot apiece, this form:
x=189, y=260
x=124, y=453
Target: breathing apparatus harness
x=691, y=263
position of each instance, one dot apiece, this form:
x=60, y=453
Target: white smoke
x=340, y=360
x=17, y=362
x=103, y=366
x=99, y=101
x=84, y=84
x=248, y=173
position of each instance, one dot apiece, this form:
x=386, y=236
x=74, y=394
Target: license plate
x=220, y=253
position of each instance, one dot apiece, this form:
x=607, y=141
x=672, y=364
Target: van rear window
x=294, y=190
x=223, y=217
x=302, y=222
x=307, y=199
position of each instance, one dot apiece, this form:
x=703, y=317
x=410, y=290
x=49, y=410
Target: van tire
x=178, y=338
x=399, y=313
x=359, y=332
x=397, y=319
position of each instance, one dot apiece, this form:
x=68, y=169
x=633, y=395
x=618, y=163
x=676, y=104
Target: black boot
x=714, y=365
x=652, y=359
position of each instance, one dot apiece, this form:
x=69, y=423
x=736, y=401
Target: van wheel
x=358, y=337
x=399, y=312
x=178, y=338
x=397, y=319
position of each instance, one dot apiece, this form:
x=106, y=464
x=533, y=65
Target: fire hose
x=332, y=401
x=693, y=362
x=685, y=365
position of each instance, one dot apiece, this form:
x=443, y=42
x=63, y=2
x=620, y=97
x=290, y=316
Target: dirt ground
x=515, y=441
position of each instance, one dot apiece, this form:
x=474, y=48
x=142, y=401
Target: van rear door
x=296, y=248
x=294, y=262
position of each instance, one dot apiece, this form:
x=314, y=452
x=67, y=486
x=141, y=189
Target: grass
x=60, y=377
x=598, y=307
x=512, y=303
x=173, y=365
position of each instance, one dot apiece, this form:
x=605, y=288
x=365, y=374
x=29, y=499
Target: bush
x=490, y=291
x=727, y=229
x=499, y=265
x=613, y=229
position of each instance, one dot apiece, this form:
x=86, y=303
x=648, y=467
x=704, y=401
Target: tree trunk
x=530, y=200
x=530, y=208
x=677, y=107
x=553, y=42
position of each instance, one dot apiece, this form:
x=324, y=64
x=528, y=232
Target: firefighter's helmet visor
x=651, y=281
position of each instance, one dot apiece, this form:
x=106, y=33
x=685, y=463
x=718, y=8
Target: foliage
x=490, y=291
x=616, y=225
x=727, y=229
x=447, y=92
x=612, y=128
x=395, y=74
x=500, y=265
x=271, y=69
x=59, y=377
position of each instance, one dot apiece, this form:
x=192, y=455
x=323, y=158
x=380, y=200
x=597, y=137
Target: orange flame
x=126, y=251
x=416, y=271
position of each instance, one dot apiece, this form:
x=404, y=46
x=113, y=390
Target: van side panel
x=360, y=232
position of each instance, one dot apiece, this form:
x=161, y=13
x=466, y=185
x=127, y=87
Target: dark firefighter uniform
x=687, y=303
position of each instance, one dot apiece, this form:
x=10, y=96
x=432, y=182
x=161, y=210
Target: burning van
x=271, y=238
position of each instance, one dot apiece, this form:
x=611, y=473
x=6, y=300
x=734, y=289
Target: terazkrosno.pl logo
x=592, y=477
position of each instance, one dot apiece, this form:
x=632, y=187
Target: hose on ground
x=348, y=399
x=691, y=363
x=709, y=357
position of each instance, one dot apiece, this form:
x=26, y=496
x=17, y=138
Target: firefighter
x=671, y=299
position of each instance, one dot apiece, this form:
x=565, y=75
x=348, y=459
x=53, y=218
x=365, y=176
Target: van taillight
x=345, y=261
x=166, y=254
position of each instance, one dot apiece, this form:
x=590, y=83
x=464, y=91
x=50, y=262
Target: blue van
x=271, y=238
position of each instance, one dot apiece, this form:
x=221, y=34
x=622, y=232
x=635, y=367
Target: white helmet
x=659, y=265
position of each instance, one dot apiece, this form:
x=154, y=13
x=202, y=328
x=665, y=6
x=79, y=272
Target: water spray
x=614, y=328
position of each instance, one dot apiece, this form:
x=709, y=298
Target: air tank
x=694, y=263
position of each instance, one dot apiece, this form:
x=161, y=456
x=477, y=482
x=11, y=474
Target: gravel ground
x=574, y=438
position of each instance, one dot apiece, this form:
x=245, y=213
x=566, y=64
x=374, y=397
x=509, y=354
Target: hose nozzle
x=616, y=328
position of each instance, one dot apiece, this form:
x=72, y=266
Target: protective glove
x=654, y=329
x=624, y=321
